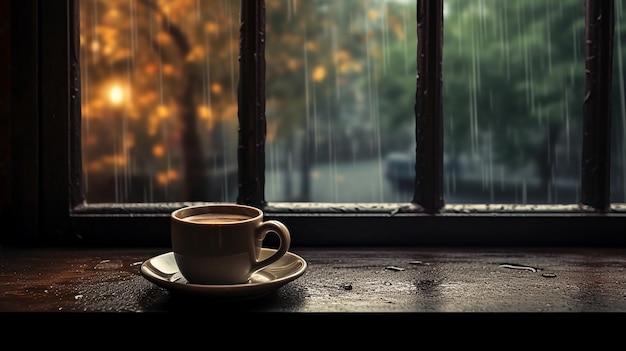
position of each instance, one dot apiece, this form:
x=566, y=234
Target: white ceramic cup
x=221, y=243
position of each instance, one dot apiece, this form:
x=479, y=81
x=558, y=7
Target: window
x=46, y=180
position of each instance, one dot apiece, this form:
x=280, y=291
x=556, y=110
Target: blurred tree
x=173, y=113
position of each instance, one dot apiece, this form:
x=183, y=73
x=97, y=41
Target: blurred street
x=365, y=182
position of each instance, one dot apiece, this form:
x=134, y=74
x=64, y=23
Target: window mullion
x=251, y=90
x=55, y=99
x=428, y=106
x=595, y=180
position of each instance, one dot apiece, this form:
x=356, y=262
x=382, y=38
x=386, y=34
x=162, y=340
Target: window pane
x=340, y=99
x=618, y=142
x=159, y=101
x=514, y=82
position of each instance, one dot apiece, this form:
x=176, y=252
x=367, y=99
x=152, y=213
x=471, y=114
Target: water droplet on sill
x=517, y=266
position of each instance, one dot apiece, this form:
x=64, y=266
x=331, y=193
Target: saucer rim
x=242, y=290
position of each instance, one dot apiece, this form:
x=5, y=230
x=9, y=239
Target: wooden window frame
x=40, y=155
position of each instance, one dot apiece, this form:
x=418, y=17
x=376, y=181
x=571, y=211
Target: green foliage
x=512, y=71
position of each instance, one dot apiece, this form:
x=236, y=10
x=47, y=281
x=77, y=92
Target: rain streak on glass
x=340, y=98
x=159, y=100
x=514, y=83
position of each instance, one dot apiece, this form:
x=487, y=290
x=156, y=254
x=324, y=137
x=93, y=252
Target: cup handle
x=284, y=242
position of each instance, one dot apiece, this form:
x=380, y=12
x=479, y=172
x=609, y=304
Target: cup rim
x=254, y=212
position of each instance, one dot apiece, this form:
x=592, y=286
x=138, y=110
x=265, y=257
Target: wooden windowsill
x=336, y=280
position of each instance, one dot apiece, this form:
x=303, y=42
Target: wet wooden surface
x=336, y=280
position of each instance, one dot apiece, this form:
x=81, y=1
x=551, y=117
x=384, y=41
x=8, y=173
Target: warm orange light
x=319, y=73
x=211, y=27
x=165, y=177
x=204, y=112
x=373, y=14
x=216, y=88
x=158, y=150
x=116, y=95
x=292, y=63
x=163, y=111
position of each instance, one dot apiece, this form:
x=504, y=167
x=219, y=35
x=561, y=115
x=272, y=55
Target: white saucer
x=163, y=271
